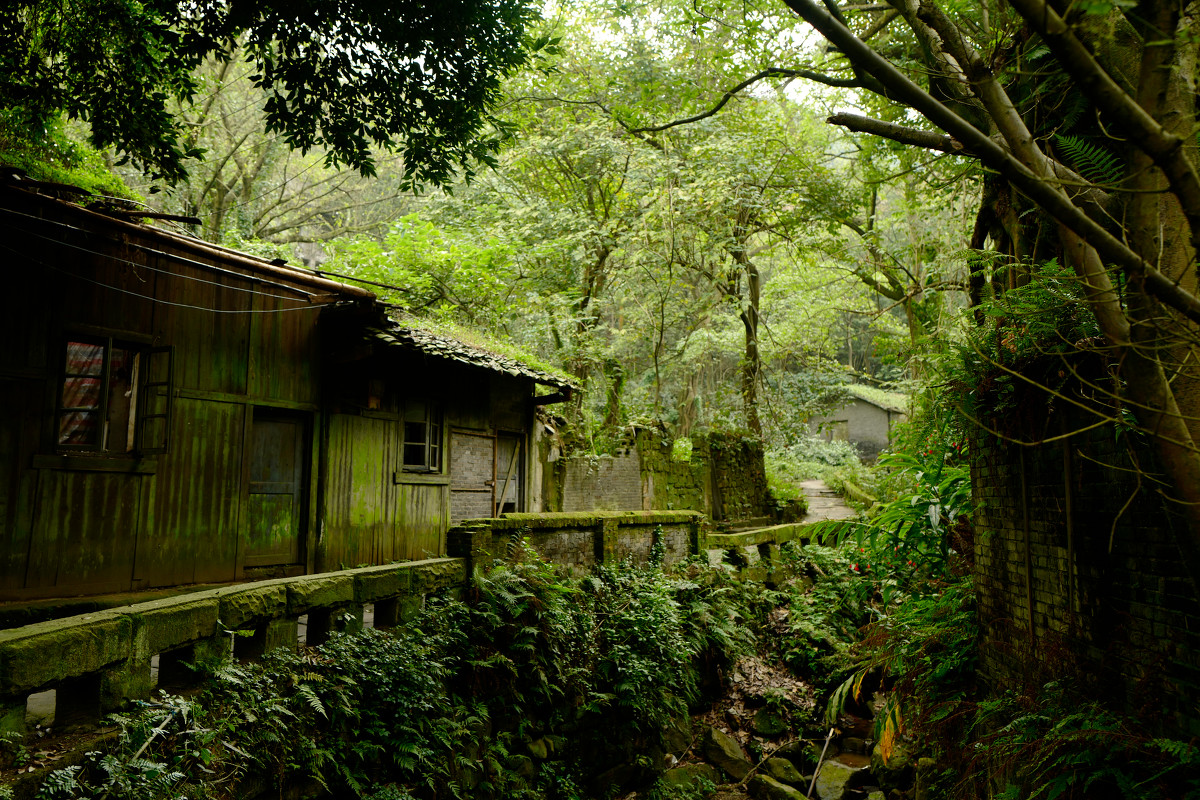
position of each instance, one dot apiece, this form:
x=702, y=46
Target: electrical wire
x=160, y=301
x=163, y=254
x=159, y=270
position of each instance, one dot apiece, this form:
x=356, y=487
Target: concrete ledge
x=242, y=604
x=585, y=519
x=175, y=621
x=776, y=534
x=41, y=654
x=316, y=591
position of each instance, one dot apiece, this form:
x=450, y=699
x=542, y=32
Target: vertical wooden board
x=283, y=354
x=210, y=345
x=422, y=522
x=359, y=496
x=217, y=338
x=273, y=529
x=110, y=287
x=276, y=488
x=192, y=535
x=26, y=328
x=85, y=531
x=20, y=403
x=510, y=402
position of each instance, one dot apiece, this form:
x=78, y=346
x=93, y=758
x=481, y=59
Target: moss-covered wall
x=1078, y=570
x=724, y=477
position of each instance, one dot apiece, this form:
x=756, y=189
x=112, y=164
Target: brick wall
x=471, y=467
x=1066, y=526
x=725, y=478
x=604, y=483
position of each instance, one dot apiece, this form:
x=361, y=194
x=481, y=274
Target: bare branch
x=899, y=133
x=770, y=72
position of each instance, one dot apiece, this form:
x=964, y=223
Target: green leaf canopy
x=344, y=75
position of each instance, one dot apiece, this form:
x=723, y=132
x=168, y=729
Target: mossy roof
x=889, y=401
x=438, y=345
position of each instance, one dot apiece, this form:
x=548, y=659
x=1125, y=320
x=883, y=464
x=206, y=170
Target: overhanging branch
x=770, y=72
x=1047, y=195
x=899, y=133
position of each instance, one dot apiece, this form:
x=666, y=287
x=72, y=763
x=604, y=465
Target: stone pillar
x=12, y=714
x=280, y=633
x=697, y=535
x=606, y=541
x=470, y=542
x=216, y=649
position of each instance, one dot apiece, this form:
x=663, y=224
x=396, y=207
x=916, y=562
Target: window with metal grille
x=114, y=398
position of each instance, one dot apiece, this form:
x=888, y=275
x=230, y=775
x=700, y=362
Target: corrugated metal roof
x=433, y=344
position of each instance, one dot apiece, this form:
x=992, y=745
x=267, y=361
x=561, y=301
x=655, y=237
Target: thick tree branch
x=898, y=133
x=1046, y=194
x=770, y=72
x=1164, y=147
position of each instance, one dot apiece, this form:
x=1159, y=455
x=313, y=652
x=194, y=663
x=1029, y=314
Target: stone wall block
x=374, y=583
x=243, y=605
x=36, y=656
x=176, y=621
x=436, y=574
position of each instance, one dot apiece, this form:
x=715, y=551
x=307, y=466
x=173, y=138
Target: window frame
x=151, y=398
x=432, y=443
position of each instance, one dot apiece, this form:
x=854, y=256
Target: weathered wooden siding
x=247, y=342
x=356, y=528
x=85, y=538
x=422, y=520
x=192, y=535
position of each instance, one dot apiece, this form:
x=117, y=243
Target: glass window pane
x=81, y=393
x=415, y=412
x=84, y=358
x=414, y=432
x=78, y=427
x=414, y=455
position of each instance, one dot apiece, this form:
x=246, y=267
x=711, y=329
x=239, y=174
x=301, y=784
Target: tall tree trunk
x=751, y=366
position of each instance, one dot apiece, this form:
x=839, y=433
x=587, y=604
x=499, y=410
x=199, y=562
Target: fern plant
x=1090, y=159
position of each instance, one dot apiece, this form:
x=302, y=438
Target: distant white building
x=865, y=420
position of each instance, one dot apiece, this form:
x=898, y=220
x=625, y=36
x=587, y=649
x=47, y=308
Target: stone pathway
x=824, y=503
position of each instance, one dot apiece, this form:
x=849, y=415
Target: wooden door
x=510, y=475
x=276, y=489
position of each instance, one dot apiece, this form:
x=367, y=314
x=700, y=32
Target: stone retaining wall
x=581, y=540
x=98, y=662
x=724, y=477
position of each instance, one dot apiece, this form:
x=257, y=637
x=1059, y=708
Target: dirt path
x=824, y=503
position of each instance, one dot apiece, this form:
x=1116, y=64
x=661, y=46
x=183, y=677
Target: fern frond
x=1092, y=161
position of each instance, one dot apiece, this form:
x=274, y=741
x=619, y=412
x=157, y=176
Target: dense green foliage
x=345, y=77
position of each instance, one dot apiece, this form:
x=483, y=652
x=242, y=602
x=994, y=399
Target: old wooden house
x=172, y=412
